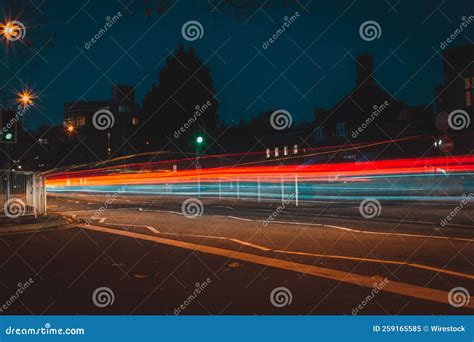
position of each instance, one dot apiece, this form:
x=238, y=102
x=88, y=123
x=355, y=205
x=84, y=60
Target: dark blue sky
x=247, y=82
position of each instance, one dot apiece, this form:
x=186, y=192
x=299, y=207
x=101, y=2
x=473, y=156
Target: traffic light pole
x=6, y=166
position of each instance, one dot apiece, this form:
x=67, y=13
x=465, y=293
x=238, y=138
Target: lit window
x=277, y=152
x=467, y=83
x=319, y=133
x=285, y=150
x=341, y=129
x=75, y=122
x=80, y=121
x=135, y=121
x=295, y=149
x=123, y=109
x=268, y=153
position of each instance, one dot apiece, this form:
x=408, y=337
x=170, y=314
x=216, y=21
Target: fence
x=22, y=194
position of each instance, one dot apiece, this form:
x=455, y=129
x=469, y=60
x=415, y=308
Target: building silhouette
x=369, y=113
x=457, y=91
x=107, y=135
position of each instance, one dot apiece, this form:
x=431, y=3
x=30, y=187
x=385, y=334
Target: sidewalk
x=30, y=224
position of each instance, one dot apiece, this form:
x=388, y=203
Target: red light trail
x=126, y=175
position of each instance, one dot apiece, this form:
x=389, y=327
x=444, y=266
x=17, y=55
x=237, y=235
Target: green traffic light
x=199, y=140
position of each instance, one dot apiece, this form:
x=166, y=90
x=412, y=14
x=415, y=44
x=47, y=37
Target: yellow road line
x=331, y=256
x=150, y=228
x=350, y=278
x=382, y=261
x=262, y=248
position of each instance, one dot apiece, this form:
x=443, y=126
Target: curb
x=57, y=223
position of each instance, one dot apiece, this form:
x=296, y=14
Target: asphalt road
x=155, y=260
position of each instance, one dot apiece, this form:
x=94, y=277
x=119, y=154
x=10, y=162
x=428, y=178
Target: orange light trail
x=318, y=172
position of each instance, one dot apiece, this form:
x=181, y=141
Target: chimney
x=365, y=68
x=123, y=93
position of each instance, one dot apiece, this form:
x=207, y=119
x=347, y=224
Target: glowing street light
x=26, y=98
x=70, y=128
x=13, y=30
x=199, y=140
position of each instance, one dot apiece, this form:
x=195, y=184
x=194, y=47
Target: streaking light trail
x=424, y=178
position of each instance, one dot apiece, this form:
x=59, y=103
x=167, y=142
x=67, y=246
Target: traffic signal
x=8, y=127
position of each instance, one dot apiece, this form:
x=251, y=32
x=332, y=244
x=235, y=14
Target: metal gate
x=22, y=194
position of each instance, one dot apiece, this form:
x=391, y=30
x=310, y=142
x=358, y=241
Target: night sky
x=134, y=48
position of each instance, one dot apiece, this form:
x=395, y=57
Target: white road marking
x=266, y=249
x=392, y=286
x=150, y=228
x=375, y=233
x=356, y=231
x=328, y=256
x=240, y=218
x=381, y=261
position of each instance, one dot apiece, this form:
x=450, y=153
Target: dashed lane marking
x=392, y=286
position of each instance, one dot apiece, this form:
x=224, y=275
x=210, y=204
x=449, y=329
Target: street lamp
x=199, y=140
x=25, y=98
x=13, y=30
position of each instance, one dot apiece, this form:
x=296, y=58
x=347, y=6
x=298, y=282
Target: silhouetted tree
x=181, y=106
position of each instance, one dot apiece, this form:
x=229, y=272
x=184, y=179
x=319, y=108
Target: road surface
x=240, y=257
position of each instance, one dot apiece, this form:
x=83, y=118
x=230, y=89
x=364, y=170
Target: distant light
x=70, y=128
x=199, y=140
x=26, y=98
x=13, y=30
x=9, y=136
